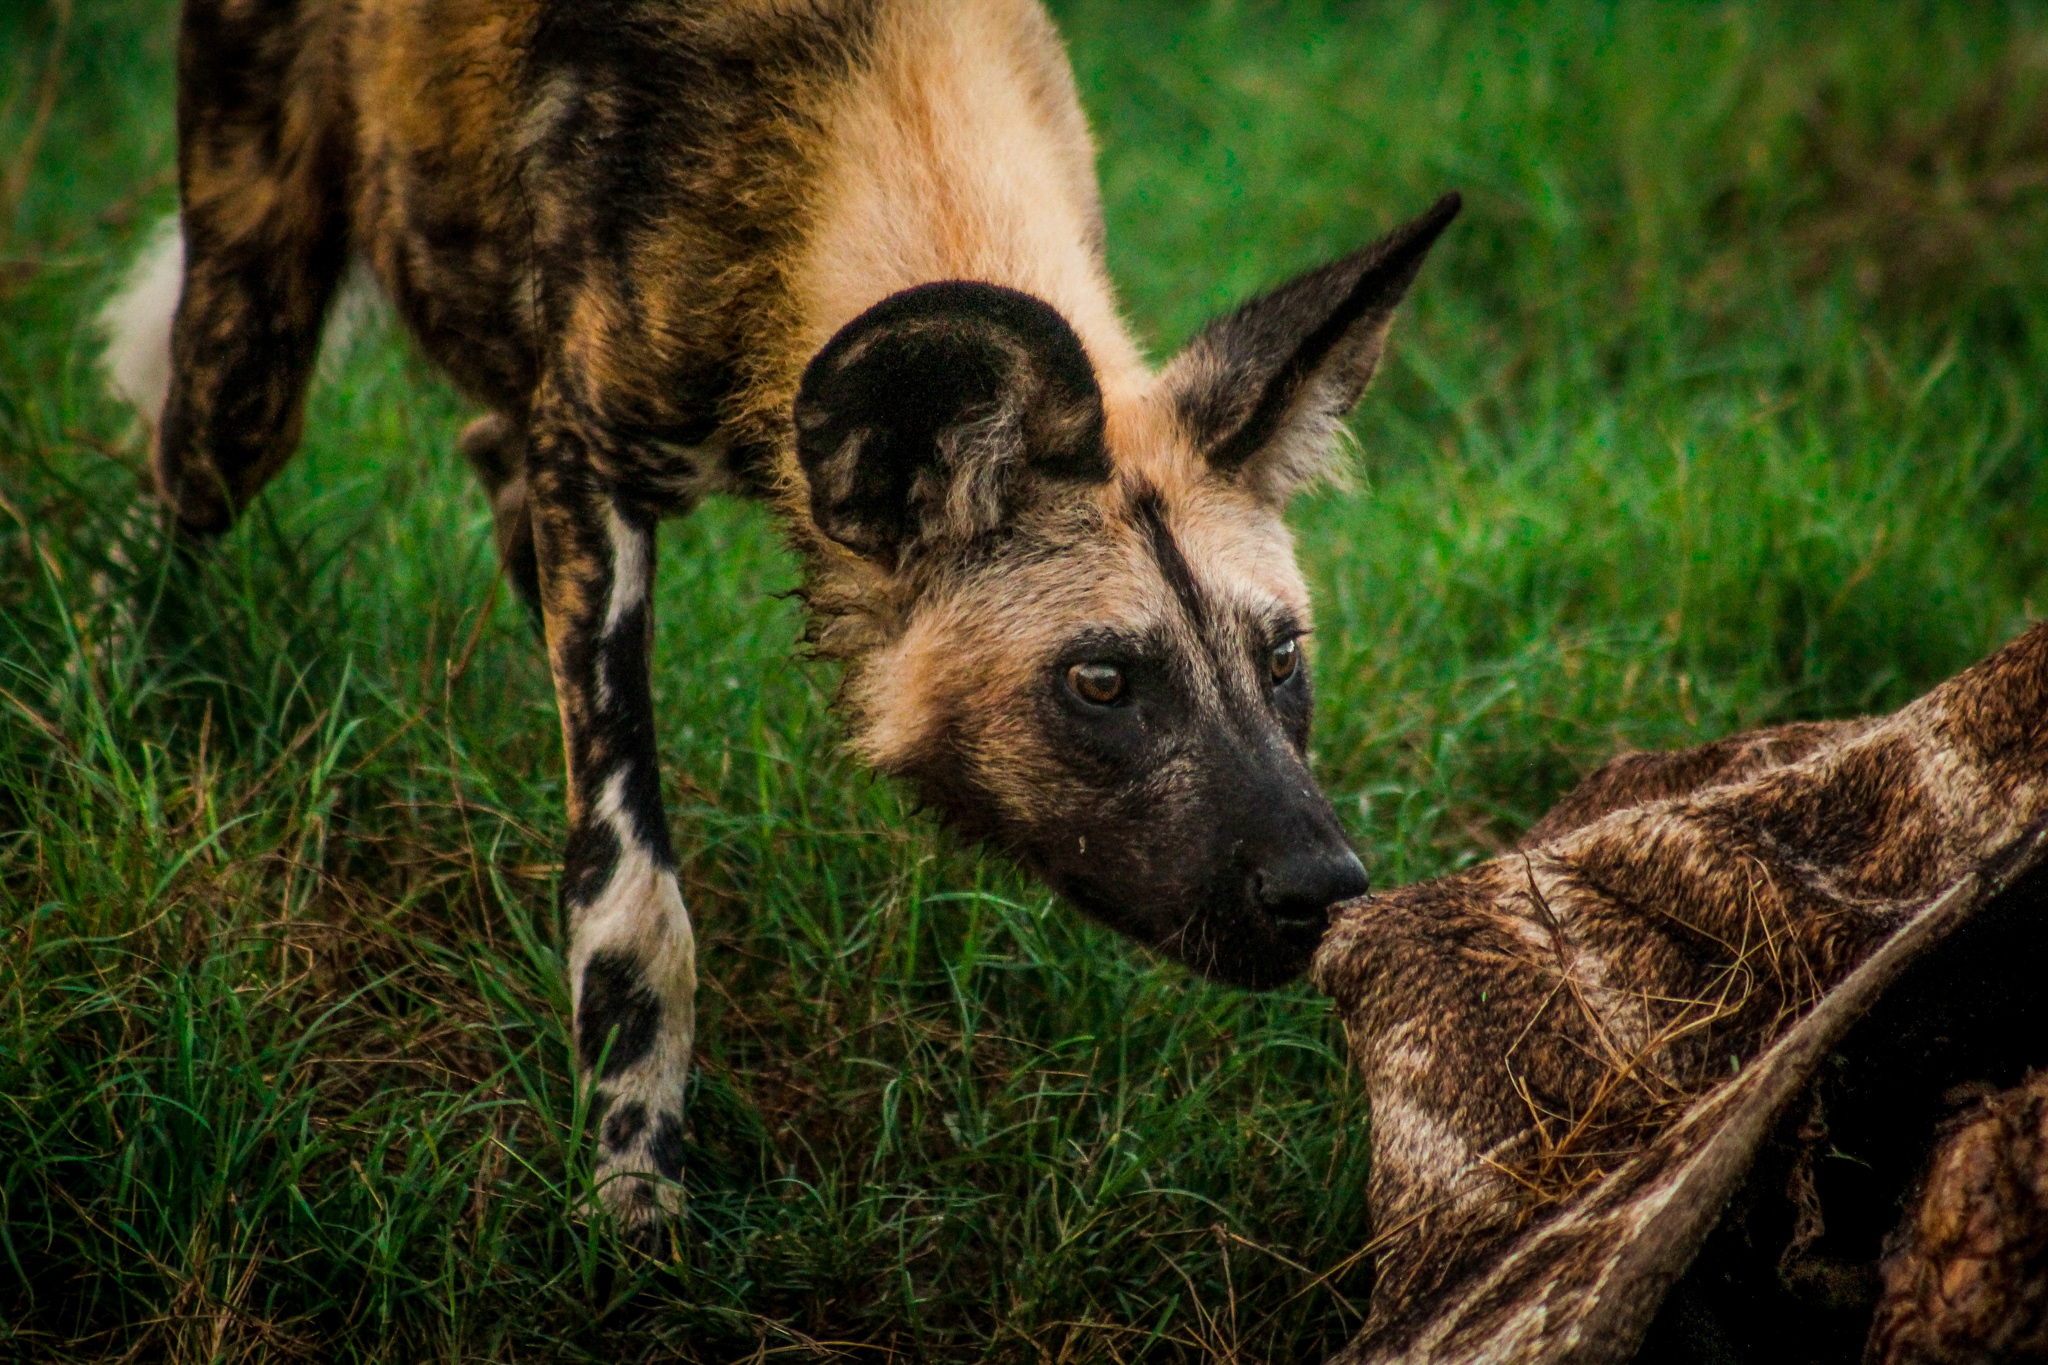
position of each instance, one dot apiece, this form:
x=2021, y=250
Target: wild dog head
x=1073, y=617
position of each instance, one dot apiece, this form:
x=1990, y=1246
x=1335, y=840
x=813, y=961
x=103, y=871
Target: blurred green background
x=1721, y=405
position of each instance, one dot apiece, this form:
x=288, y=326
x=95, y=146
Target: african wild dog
x=845, y=255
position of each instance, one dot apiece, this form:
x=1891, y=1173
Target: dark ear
x=925, y=419
x=1262, y=392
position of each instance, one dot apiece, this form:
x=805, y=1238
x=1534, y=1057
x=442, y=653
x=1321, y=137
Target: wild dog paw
x=635, y=1024
x=639, y=1164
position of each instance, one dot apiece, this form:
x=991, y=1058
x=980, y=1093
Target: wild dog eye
x=1096, y=684
x=1285, y=658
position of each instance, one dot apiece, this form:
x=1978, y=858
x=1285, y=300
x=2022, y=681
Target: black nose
x=1297, y=889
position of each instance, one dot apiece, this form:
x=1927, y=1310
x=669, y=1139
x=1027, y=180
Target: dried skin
x=1966, y=1274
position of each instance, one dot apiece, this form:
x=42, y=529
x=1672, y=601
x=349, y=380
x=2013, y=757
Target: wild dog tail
x=136, y=321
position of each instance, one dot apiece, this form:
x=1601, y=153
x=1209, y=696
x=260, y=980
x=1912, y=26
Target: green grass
x=1722, y=405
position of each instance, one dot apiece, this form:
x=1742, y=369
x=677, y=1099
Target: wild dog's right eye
x=1285, y=658
x=1096, y=684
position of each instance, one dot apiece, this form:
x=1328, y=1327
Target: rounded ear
x=1262, y=391
x=927, y=418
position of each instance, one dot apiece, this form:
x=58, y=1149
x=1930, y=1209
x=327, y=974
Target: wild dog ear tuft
x=1262, y=391
x=926, y=417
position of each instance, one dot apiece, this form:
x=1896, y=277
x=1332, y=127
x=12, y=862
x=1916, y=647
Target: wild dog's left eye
x=1285, y=658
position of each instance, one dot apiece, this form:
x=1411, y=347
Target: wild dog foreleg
x=632, y=956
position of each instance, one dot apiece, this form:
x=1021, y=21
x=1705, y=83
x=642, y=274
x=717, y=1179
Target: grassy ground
x=1720, y=406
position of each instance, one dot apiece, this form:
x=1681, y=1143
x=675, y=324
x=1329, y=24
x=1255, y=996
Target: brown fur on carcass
x=1563, y=1045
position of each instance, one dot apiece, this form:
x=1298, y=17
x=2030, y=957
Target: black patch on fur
x=1292, y=700
x=878, y=401
x=659, y=114
x=588, y=863
x=667, y=1147
x=522, y=566
x=644, y=81
x=616, y=996
x=624, y=726
x=623, y=1125
x=1150, y=512
x=1275, y=345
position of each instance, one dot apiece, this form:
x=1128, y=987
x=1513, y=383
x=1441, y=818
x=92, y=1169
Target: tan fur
x=959, y=155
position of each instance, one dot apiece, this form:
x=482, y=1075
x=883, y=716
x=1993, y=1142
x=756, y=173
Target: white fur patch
x=632, y=557
x=136, y=321
x=1422, y=1147
x=360, y=309
x=632, y=566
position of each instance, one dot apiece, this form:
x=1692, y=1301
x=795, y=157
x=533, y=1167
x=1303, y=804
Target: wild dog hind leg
x=495, y=447
x=261, y=178
x=632, y=956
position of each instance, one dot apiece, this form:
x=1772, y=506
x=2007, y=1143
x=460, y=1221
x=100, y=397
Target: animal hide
x=1660, y=1078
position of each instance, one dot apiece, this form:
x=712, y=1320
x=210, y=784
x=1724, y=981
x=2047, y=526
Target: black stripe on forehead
x=1149, y=511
